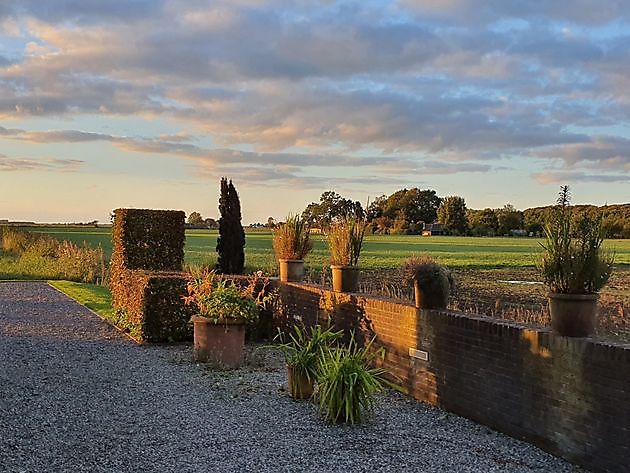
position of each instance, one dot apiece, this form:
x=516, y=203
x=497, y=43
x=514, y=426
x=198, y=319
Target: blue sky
x=148, y=103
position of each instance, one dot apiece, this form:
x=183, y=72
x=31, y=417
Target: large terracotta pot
x=219, y=344
x=291, y=270
x=573, y=315
x=345, y=278
x=434, y=297
x=300, y=387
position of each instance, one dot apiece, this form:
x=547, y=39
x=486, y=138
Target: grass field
x=379, y=251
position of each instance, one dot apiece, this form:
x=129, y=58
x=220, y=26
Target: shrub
x=573, y=260
x=291, y=240
x=231, y=239
x=152, y=240
x=219, y=299
x=347, y=383
x=433, y=280
x=345, y=240
x=146, y=284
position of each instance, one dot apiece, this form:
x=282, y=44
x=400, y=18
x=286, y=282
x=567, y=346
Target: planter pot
x=291, y=270
x=573, y=315
x=345, y=278
x=431, y=298
x=300, y=387
x=219, y=344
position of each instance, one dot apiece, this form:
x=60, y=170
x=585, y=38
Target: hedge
x=146, y=280
x=148, y=239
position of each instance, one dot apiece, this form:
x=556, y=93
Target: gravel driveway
x=77, y=396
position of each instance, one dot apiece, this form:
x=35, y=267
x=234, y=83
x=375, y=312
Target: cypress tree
x=231, y=239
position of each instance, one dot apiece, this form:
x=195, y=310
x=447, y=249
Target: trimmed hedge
x=148, y=239
x=146, y=280
x=150, y=307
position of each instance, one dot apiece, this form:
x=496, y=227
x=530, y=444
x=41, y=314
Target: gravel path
x=77, y=396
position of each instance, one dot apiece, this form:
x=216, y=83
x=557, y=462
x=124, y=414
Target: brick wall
x=570, y=397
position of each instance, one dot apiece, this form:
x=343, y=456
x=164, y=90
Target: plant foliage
x=305, y=349
x=345, y=240
x=347, y=383
x=291, y=240
x=574, y=260
x=219, y=299
x=231, y=239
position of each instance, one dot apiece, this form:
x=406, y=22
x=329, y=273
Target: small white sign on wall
x=419, y=354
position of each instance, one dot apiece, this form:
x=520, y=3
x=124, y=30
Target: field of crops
x=379, y=252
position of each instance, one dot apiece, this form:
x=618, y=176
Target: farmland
x=379, y=251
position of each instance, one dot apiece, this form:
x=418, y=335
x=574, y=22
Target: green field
x=379, y=252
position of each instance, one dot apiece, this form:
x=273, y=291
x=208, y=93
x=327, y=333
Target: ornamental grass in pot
x=575, y=267
x=345, y=241
x=432, y=282
x=303, y=353
x=223, y=309
x=291, y=243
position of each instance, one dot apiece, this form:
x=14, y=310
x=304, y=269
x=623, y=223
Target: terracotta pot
x=219, y=344
x=430, y=298
x=573, y=315
x=345, y=278
x=300, y=387
x=291, y=270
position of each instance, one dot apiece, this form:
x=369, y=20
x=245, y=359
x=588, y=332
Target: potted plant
x=432, y=282
x=347, y=383
x=291, y=243
x=303, y=354
x=345, y=240
x=223, y=309
x=575, y=267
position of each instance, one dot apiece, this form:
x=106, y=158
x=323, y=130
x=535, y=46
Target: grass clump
x=345, y=241
x=291, y=240
x=347, y=383
x=39, y=256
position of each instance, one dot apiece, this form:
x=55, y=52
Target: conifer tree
x=231, y=241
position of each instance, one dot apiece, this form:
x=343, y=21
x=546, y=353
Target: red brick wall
x=569, y=396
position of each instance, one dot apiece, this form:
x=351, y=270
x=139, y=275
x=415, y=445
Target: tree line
x=406, y=212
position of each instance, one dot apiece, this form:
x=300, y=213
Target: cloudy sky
x=147, y=103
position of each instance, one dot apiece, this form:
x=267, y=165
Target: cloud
x=44, y=164
x=436, y=87
x=600, y=152
x=569, y=177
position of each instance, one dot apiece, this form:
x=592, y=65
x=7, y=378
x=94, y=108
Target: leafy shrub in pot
x=575, y=266
x=345, y=241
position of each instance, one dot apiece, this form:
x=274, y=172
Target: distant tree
x=331, y=206
x=452, y=214
x=509, y=219
x=231, y=241
x=271, y=222
x=211, y=223
x=195, y=219
x=483, y=222
x=406, y=209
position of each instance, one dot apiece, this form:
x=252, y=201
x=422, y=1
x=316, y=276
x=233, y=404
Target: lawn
x=379, y=251
x=94, y=297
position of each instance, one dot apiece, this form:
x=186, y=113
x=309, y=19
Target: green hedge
x=148, y=239
x=146, y=281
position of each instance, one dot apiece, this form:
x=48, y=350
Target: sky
x=147, y=103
